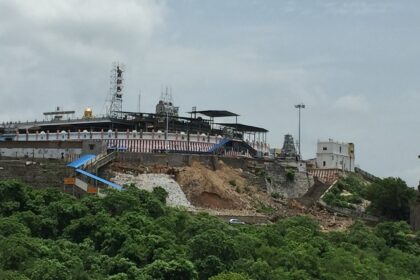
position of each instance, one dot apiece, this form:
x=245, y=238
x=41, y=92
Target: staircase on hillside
x=314, y=194
x=85, y=165
x=100, y=161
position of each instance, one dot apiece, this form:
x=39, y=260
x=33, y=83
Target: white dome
x=85, y=131
x=63, y=132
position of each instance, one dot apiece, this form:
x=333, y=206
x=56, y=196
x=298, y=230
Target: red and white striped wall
x=150, y=145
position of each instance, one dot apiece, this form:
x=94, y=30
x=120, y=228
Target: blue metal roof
x=81, y=161
x=217, y=146
x=99, y=179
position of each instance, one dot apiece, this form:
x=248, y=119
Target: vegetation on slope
x=355, y=188
x=45, y=234
x=389, y=197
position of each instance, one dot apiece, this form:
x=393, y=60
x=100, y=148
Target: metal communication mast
x=116, y=90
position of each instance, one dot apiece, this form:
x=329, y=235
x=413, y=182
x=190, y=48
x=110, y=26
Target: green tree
x=12, y=275
x=213, y=242
x=398, y=235
x=11, y=226
x=160, y=194
x=46, y=234
x=179, y=269
x=17, y=252
x=209, y=266
x=13, y=197
x=49, y=269
x=391, y=197
x=229, y=276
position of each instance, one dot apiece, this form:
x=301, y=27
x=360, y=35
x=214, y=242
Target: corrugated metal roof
x=215, y=113
x=244, y=127
x=81, y=161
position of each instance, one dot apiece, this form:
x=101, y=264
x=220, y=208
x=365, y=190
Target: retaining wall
x=36, y=173
x=180, y=160
x=41, y=150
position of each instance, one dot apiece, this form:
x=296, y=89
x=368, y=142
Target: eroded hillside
x=224, y=191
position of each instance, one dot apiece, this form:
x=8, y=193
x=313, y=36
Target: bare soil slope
x=229, y=191
x=225, y=188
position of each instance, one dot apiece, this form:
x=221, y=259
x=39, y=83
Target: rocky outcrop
x=176, y=196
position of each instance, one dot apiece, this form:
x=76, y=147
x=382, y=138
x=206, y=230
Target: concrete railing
x=100, y=161
x=366, y=175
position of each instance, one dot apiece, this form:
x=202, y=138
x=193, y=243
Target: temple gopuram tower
x=288, y=151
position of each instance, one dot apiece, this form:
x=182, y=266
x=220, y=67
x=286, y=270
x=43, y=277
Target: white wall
x=40, y=153
x=332, y=154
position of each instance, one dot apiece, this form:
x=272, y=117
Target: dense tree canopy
x=45, y=234
x=391, y=198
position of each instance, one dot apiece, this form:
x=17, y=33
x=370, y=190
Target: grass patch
x=264, y=208
x=290, y=175
x=351, y=184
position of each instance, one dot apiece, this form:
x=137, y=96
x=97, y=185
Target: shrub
x=290, y=175
x=275, y=195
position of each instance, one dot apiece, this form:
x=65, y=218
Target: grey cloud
x=258, y=64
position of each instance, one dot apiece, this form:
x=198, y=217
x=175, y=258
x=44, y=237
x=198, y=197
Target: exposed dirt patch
x=213, y=200
x=220, y=189
x=229, y=191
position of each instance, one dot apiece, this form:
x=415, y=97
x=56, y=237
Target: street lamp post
x=166, y=131
x=299, y=107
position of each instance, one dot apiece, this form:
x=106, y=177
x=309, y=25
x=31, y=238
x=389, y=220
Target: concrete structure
x=67, y=150
x=36, y=173
x=132, y=141
x=335, y=155
x=132, y=131
x=165, y=107
x=289, y=151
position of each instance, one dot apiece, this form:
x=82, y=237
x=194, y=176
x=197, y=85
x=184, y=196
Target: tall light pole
x=166, y=130
x=299, y=107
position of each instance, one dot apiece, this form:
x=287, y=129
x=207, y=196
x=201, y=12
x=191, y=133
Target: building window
x=91, y=146
x=340, y=149
x=324, y=148
x=323, y=163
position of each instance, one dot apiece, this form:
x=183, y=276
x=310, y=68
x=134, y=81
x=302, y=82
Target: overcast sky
x=355, y=64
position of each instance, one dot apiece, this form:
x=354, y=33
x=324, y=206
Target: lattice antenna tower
x=166, y=96
x=116, y=90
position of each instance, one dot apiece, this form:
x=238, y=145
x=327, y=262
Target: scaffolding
x=116, y=90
